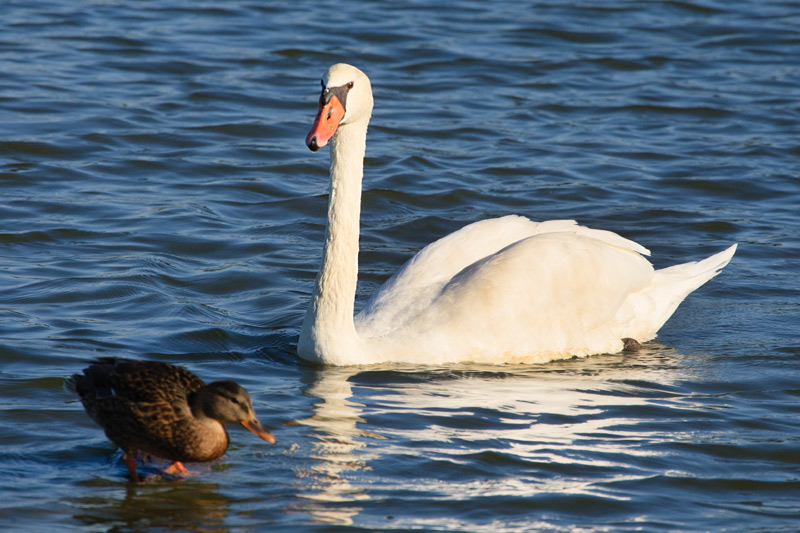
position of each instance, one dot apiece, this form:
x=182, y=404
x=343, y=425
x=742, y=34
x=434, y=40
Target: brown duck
x=163, y=410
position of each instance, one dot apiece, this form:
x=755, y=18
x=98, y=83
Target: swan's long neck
x=328, y=333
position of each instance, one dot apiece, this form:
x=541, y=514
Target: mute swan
x=496, y=291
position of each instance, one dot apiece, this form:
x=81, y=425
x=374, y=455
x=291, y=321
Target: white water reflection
x=336, y=451
x=568, y=428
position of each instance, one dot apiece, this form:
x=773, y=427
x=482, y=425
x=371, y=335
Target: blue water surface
x=158, y=203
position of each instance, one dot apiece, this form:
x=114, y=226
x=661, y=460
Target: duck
x=497, y=291
x=163, y=410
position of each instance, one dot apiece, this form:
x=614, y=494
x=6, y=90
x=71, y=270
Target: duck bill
x=255, y=426
x=325, y=124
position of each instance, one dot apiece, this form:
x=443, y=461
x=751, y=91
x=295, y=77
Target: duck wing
x=139, y=404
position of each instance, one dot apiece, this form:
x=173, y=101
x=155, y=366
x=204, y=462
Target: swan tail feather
x=672, y=285
x=694, y=274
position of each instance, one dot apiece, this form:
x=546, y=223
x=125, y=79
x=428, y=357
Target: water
x=159, y=203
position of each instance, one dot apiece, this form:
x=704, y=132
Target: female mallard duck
x=163, y=410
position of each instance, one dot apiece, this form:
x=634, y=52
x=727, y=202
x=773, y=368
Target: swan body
x=496, y=291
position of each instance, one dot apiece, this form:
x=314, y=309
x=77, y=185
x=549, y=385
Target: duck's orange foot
x=176, y=469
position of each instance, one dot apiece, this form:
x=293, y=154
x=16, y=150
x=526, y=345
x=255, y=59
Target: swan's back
x=509, y=289
x=412, y=288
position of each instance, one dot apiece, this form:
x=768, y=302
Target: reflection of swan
x=336, y=450
x=468, y=433
x=500, y=290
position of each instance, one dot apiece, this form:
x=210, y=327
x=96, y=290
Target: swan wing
x=552, y=294
x=414, y=287
x=415, y=284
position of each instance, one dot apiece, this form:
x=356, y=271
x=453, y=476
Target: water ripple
x=159, y=203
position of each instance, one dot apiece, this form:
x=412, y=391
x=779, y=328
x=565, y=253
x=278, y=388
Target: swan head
x=346, y=98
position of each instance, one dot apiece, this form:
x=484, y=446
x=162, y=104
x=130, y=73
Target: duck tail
x=71, y=384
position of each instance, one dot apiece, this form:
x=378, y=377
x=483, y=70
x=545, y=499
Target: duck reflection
x=184, y=507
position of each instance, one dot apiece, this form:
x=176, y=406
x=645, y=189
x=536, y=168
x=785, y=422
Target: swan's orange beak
x=328, y=118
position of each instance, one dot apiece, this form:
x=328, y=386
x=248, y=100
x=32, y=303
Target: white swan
x=496, y=291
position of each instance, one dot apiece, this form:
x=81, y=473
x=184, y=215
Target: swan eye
x=350, y=85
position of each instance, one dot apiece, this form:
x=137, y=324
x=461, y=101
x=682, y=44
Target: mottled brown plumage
x=163, y=410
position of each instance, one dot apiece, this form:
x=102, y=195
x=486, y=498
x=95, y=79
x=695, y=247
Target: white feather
x=496, y=291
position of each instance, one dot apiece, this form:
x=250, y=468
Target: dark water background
x=158, y=202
